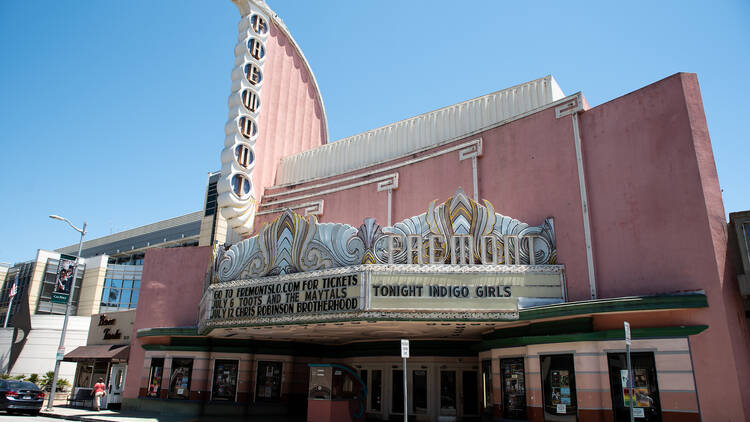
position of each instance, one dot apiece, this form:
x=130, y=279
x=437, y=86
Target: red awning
x=104, y=351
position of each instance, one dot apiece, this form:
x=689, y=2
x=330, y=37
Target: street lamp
x=67, y=306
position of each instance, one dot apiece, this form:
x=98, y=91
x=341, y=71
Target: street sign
x=59, y=298
x=404, y=349
x=627, y=333
x=60, y=353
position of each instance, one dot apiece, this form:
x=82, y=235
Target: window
x=179, y=381
x=154, y=377
x=513, y=383
x=256, y=48
x=258, y=24
x=559, y=385
x=248, y=127
x=240, y=185
x=225, y=380
x=253, y=74
x=119, y=295
x=244, y=155
x=250, y=100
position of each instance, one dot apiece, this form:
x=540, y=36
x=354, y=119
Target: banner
x=66, y=269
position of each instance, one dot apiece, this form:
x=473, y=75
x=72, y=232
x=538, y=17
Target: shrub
x=46, y=382
x=33, y=378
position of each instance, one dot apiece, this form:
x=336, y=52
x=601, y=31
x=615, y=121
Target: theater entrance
x=436, y=391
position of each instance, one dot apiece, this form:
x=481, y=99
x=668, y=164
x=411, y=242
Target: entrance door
x=116, y=384
x=448, y=396
x=419, y=392
x=470, y=396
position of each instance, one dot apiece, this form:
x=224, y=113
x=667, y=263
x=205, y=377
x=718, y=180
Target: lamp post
x=67, y=306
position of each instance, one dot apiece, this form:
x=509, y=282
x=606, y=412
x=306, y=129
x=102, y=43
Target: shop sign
x=111, y=328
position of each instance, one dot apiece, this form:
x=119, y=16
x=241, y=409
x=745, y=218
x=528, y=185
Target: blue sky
x=114, y=112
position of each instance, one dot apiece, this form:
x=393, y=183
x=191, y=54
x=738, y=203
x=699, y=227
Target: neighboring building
x=105, y=354
x=515, y=304
x=108, y=280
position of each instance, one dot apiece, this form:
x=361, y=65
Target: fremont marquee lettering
x=318, y=295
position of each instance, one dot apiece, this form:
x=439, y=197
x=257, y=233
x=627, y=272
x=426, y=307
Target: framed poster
x=224, y=386
x=154, y=377
x=268, y=386
x=179, y=381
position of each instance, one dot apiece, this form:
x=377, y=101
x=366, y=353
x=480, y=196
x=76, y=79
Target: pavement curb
x=71, y=417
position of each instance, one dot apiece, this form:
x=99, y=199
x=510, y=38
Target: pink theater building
x=507, y=237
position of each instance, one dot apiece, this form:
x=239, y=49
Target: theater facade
x=508, y=238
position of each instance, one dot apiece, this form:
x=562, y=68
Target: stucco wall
x=171, y=289
x=657, y=219
x=291, y=117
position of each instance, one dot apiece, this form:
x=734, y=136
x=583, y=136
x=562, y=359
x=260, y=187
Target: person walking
x=98, y=392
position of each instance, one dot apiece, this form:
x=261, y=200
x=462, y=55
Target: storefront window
x=154, y=377
x=558, y=381
x=179, y=381
x=268, y=386
x=225, y=380
x=646, y=406
x=513, y=383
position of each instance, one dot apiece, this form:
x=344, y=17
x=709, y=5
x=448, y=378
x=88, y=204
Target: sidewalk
x=89, y=415
x=74, y=414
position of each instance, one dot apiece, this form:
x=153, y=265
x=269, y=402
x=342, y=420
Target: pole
x=10, y=304
x=630, y=371
x=65, y=320
x=406, y=407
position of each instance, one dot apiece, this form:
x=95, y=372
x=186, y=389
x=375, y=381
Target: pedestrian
x=98, y=392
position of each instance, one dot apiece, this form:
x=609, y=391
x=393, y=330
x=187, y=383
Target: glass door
x=397, y=391
x=469, y=385
x=513, y=387
x=487, y=399
x=116, y=383
x=419, y=392
x=448, y=393
x=374, y=402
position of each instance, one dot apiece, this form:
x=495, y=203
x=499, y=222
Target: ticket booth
x=336, y=393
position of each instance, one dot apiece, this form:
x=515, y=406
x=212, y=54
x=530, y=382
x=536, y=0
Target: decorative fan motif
x=292, y=243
